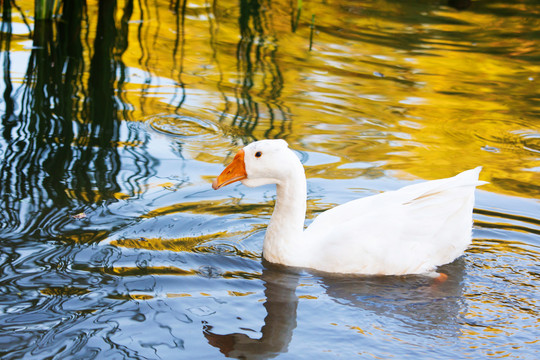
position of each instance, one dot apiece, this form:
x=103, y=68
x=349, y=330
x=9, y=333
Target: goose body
x=408, y=231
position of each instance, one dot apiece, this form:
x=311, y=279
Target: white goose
x=408, y=231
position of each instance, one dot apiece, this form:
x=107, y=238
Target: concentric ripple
x=183, y=126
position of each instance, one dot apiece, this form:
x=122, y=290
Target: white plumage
x=408, y=231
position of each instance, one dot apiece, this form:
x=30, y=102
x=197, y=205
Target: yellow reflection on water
x=64, y=291
x=423, y=91
x=95, y=195
x=177, y=245
x=238, y=293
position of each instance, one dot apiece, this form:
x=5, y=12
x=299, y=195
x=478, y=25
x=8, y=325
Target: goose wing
x=411, y=230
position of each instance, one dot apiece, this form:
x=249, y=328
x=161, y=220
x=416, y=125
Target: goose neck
x=287, y=223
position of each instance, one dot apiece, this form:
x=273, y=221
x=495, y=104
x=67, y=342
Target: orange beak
x=235, y=171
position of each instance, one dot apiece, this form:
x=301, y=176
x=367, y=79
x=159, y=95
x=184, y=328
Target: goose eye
x=258, y=154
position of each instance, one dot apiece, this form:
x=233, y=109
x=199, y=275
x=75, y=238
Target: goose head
x=260, y=163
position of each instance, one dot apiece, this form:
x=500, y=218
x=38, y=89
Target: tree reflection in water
x=62, y=133
x=259, y=42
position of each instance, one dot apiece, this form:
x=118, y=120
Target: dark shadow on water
x=179, y=46
x=8, y=121
x=61, y=128
x=420, y=304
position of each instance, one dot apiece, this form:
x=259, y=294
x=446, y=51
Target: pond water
x=117, y=115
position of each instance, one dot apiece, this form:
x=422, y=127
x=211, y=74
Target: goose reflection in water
x=425, y=306
x=281, y=303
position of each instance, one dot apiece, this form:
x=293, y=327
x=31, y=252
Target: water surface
x=116, y=116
